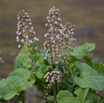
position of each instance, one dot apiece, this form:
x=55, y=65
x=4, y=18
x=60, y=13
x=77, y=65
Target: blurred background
x=87, y=16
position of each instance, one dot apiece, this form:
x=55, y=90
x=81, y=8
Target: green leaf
x=96, y=60
x=88, y=61
x=99, y=67
x=16, y=82
x=51, y=99
x=2, y=85
x=40, y=69
x=80, y=51
x=102, y=101
x=91, y=62
x=44, y=52
x=20, y=98
x=81, y=94
x=11, y=87
x=89, y=77
x=71, y=68
x=25, y=74
x=95, y=64
x=21, y=61
x=65, y=96
x=92, y=97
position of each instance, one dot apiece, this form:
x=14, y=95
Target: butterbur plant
x=54, y=74
x=25, y=32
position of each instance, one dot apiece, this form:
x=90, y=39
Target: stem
x=46, y=100
x=74, y=84
x=28, y=50
x=47, y=96
x=51, y=48
x=30, y=56
x=51, y=58
x=54, y=91
x=65, y=61
x=58, y=86
x=62, y=87
x=8, y=101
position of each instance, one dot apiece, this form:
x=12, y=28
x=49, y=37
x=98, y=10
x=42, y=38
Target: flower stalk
x=25, y=32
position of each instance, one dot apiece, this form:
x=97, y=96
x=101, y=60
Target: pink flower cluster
x=25, y=30
x=51, y=77
x=60, y=37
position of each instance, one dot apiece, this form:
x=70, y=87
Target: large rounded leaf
x=11, y=87
x=89, y=77
x=16, y=82
x=24, y=73
x=99, y=67
x=81, y=94
x=65, y=96
x=80, y=51
x=92, y=97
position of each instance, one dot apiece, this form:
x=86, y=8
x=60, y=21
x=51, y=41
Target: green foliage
x=15, y=83
x=65, y=96
x=82, y=76
x=80, y=51
x=40, y=69
x=102, y=101
x=81, y=94
x=21, y=61
x=99, y=67
x=92, y=97
x=95, y=64
x=88, y=77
